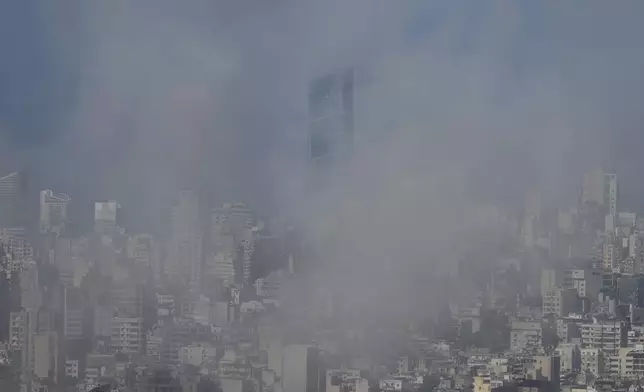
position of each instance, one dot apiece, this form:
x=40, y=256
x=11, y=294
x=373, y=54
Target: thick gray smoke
x=460, y=107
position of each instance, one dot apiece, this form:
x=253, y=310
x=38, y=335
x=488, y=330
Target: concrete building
x=525, y=336
x=127, y=335
x=72, y=368
x=568, y=327
x=53, y=211
x=548, y=281
x=592, y=361
x=16, y=243
x=600, y=188
x=17, y=330
x=570, y=357
x=339, y=380
x=12, y=199
x=482, y=384
x=233, y=230
x=141, y=250
x=302, y=369
x=196, y=354
x=546, y=368
x=184, y=260
x=588, y=283
x=606, y=335
x=224, y=268
x=560, y=301
x=105, y=217
x=73, y=318
x=609, y=255
x=46, y=356
x=627, y=363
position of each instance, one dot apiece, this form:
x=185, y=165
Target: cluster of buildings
x=222, y=300
x=561, y=307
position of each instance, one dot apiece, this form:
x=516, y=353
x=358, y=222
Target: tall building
x=606, y=335
x=46, y=356
x=141, y=250
x=302, y=369
x=560, y=301
x=331, y=118
x=127, y=335
x=184, y=259
x=12, y=197
x=232, y=234
x=601, y=188
x=73, y=326
x=105, y=217
x=230, y=220
x=53, y=211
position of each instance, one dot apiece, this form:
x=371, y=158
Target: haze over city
x=305, y=196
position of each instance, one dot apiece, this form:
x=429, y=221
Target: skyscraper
x=330, y=118
x=185, y=253
x=302, y=369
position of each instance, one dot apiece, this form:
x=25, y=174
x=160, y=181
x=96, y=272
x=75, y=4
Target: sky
x=132, y=100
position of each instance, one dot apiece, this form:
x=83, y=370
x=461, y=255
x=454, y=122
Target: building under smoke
x=53, y=211
x=12, y=197
x=331, y=119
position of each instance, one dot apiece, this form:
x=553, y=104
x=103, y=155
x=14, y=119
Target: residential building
x=627, y=363
x=525, y=336
x=606, y=335
x=592, y=361
x=560, y=301
x=46, y=356
x=127, y=335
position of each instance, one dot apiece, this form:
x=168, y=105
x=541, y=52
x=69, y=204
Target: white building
x=627, y=363
x=606, y=335
x=53, y=211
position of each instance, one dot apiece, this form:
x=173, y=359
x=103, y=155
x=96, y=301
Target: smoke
x=460, y=106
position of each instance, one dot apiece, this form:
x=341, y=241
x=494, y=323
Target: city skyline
x=321, y=196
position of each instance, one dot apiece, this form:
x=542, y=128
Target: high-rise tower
x=331, y=118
